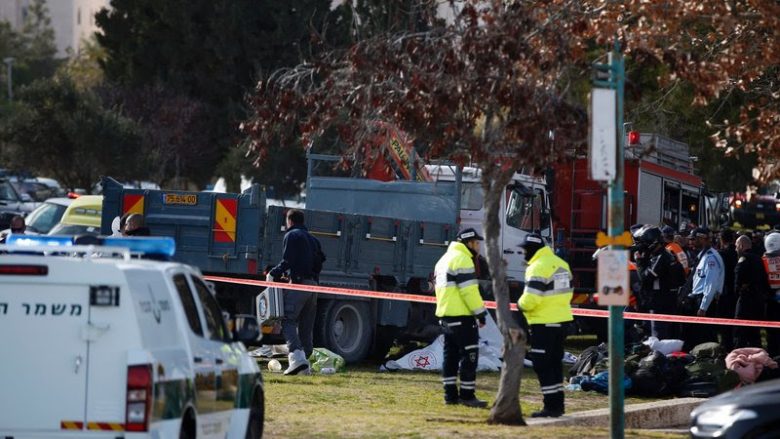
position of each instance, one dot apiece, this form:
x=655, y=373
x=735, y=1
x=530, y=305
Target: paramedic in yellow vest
x=459, y=308
x=545, y=302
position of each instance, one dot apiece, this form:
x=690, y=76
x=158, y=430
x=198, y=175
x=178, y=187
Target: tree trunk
x=506, y=409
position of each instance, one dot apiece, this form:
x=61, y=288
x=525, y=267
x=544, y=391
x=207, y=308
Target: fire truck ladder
x=586, y=214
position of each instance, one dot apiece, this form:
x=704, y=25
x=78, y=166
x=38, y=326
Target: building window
x=78, y=17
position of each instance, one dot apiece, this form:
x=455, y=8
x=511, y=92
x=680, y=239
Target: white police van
x=97, y=343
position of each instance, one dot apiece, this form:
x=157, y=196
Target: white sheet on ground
x=431, y=357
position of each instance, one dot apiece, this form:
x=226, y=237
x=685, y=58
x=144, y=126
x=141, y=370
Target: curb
x=658, y=414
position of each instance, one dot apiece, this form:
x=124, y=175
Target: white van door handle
x=509, y=252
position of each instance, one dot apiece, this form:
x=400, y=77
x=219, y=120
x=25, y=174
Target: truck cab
x=525, y=208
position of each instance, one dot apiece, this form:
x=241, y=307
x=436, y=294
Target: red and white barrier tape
x=582, y=312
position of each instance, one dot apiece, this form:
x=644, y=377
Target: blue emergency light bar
x=164, y=246
x=39, y=240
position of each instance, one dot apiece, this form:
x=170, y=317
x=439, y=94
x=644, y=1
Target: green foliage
x=60, y=131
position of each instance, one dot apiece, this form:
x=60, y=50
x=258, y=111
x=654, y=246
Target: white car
x=98, y=343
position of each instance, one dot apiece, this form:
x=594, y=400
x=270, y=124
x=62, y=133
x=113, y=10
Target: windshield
x=37, y=191
x=526, y=210
x=42, y=219
x=471, y=196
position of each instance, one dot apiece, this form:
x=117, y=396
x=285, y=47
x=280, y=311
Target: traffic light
x=633, y=138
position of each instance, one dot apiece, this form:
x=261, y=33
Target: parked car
x=81, y=216
x=100, y=344
x=36, y=190
x=13, y=203
x=749, y=412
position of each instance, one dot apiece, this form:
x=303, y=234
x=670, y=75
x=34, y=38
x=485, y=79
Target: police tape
x=581, y=312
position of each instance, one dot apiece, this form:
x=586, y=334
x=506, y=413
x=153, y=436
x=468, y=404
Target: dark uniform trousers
x=300, y=312
x=461, y=351
x=547, y=353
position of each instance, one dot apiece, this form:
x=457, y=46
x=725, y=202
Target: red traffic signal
x=633, y=138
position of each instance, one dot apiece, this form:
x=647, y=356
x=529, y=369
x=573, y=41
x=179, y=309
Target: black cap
x=468, y=234
x=532, y=239
x=700, y=232
x=667, y=231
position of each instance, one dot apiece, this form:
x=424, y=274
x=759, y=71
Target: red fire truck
x=660, y=188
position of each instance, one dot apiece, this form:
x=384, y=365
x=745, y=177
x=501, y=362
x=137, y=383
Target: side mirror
x=247, y=330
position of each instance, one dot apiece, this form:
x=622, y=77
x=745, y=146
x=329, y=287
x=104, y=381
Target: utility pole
x=10, y=62
x=612, y=76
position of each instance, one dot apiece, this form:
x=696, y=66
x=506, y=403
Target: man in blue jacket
x=301, y=260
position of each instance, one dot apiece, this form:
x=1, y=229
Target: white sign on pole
x=613, y=280
x=603, y=134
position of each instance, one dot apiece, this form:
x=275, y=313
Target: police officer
x=546, y=304
x=772, y=266
x=707, y=286
x=752, y=288
x=660, y=276
x=459, y=308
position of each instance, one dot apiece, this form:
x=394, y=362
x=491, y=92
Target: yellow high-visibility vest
x=457, y=288
x=547, y=294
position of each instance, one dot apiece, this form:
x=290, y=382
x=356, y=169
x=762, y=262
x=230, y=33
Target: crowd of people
x=699, y=273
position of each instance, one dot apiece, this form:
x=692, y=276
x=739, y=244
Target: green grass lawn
x=363, y=402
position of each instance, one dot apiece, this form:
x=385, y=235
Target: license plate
x=187, y=200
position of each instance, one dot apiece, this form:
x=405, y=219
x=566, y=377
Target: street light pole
x=10, y=62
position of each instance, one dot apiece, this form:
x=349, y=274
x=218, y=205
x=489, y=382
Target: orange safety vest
x=772, y=267
x=679, y=253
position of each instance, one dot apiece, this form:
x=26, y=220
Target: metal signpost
x=611, y=76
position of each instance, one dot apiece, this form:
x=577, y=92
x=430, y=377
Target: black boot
x=546, y=413
x=474, y=402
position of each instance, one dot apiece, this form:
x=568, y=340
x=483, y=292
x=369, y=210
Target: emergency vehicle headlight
x=738, y=204
x=156, y=245
x=39, y=240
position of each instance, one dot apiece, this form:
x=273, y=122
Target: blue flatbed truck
x=381, y=236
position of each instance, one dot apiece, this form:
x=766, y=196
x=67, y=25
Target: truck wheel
x=347, y=329
x=254, y=428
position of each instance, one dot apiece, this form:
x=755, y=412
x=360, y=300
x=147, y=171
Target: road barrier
x=582, y=312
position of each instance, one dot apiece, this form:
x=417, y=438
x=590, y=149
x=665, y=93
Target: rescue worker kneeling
x=459, y=307
x=546, y=304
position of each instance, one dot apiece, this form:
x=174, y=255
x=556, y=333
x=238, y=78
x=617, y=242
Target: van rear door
x=44, y=366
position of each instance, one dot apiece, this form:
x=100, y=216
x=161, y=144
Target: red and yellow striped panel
x=133, y=203
x=71, y=425
x=105, y=426
x=225, y=213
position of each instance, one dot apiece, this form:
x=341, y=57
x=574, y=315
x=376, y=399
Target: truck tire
x=347, y=328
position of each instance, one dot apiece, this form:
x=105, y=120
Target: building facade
x=73, y=21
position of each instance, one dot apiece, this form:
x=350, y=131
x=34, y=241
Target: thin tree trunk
x=506, y=409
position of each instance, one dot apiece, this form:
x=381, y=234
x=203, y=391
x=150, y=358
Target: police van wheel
x=188, y=427
x=347, y=329
x=254, y=428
